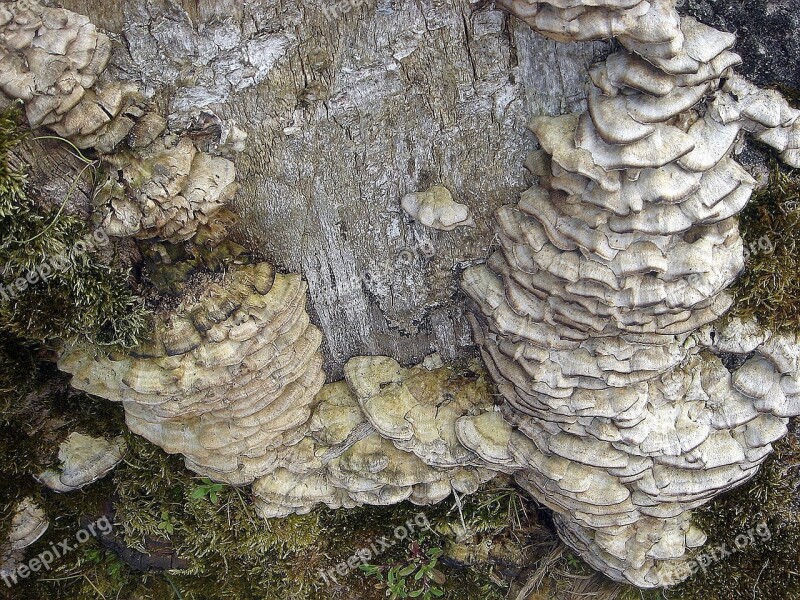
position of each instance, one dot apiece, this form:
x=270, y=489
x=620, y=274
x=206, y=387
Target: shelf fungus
x=227, y=379
x=435, y=208
x=598, y=315
x=28, y=524
x=50, y=59
x=83, y=460
x=595, y=314
x=384, y=435
x=165, y=191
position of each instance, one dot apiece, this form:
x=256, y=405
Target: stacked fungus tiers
x=50, y=58
x=671, y=63
x=227, y=380
x=384, y=435
x=165, y=191
x=592, y=314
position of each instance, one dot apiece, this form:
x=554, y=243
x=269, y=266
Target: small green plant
x=92, y=555
x=574, y=562
x=208, y=489
x=417, y=578
x=166, y=524
x=110, y=561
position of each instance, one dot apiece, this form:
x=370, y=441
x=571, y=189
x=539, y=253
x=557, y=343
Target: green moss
x=69, y=290
x=231, y=553
x=86, y=297
x=769, y=288
x=208, y=534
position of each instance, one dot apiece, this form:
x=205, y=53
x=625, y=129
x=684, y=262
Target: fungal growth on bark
x=51, y=58
x=28, y=524
x=83, y=459
x=226, y=379
x=763, y=113
x=165, y=191
x=384, y=435
x=435, y=208
x=599, y=315
x=589, y=315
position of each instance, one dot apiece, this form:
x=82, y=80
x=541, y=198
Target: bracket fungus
x=51, y=58
x=594, y=314
x=83, y=460
x=436, y=208
x=226, y=379
x=384, y=435
x=165, y=192
x=28, y=524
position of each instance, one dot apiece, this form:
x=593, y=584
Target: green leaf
x=370, y=569
x=166, y=526
x=407, y=570
x=197, y=493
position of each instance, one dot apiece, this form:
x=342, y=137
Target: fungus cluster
x=384, y=435
x=162, y=186
x=226, y=379
x=50, y=58
x=593, y=316
x=165, y=191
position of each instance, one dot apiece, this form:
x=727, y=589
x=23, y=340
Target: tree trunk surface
x=345, y=114
x=348, y=111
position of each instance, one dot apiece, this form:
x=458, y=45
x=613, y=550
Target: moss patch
x=230, y=552
x=55, y=286
x=769, y=287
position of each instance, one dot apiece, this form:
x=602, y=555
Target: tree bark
x=346, y=115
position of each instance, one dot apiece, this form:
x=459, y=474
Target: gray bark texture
x=346, y=113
